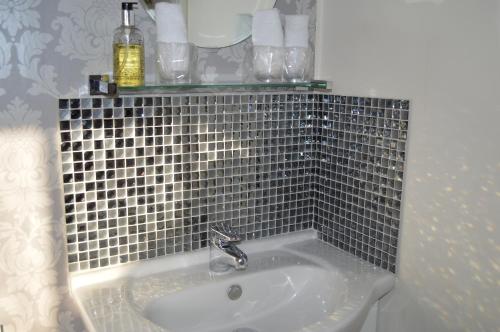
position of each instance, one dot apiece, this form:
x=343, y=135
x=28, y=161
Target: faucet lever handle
x=224, y=232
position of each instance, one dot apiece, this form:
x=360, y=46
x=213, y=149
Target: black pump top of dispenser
x=128, y=5
x=128, y=13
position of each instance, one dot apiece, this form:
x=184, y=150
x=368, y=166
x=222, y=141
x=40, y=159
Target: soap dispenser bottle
x=128, y=50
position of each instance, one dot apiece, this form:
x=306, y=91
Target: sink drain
x=234, y=292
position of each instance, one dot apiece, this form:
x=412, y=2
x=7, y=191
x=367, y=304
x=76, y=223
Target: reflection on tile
x=145, y=176
x=359, y=167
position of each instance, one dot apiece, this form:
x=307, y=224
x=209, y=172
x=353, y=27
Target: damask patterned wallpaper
x=47, y=48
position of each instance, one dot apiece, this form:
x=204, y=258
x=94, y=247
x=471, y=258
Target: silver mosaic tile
x=360, y=158
x=145, y=176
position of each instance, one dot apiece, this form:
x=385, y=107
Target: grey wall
x=46, y=50
x=443, y=56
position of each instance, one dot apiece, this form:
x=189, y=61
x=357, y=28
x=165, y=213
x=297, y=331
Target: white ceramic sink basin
x=287, y=285
x=292, y=283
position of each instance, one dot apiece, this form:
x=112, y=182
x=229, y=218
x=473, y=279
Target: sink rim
x=142, y=268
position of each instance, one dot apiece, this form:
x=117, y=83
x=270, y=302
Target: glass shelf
x=211, y=87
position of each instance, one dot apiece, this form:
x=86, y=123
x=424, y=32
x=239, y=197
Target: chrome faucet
x=224, y=254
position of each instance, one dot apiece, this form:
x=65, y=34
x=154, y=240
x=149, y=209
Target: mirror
x=217, y=23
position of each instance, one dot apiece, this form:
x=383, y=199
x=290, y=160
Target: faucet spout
x=238, y=259
x=224, y=254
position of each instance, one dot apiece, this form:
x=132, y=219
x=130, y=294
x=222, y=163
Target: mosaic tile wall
x=360, y=158
x=145, y=176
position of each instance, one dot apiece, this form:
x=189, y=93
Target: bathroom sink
x=279, y=290
x=292, y=283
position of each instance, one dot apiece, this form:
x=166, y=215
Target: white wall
x=444, y=55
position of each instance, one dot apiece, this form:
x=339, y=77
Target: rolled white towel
x=170, y=23
x=296, y=31
x=267, y=29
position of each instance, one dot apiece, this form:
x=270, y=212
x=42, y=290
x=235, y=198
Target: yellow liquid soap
x=128, y=50
x=128, y=64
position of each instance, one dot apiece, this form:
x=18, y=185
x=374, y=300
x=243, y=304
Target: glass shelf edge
x=202, y=87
